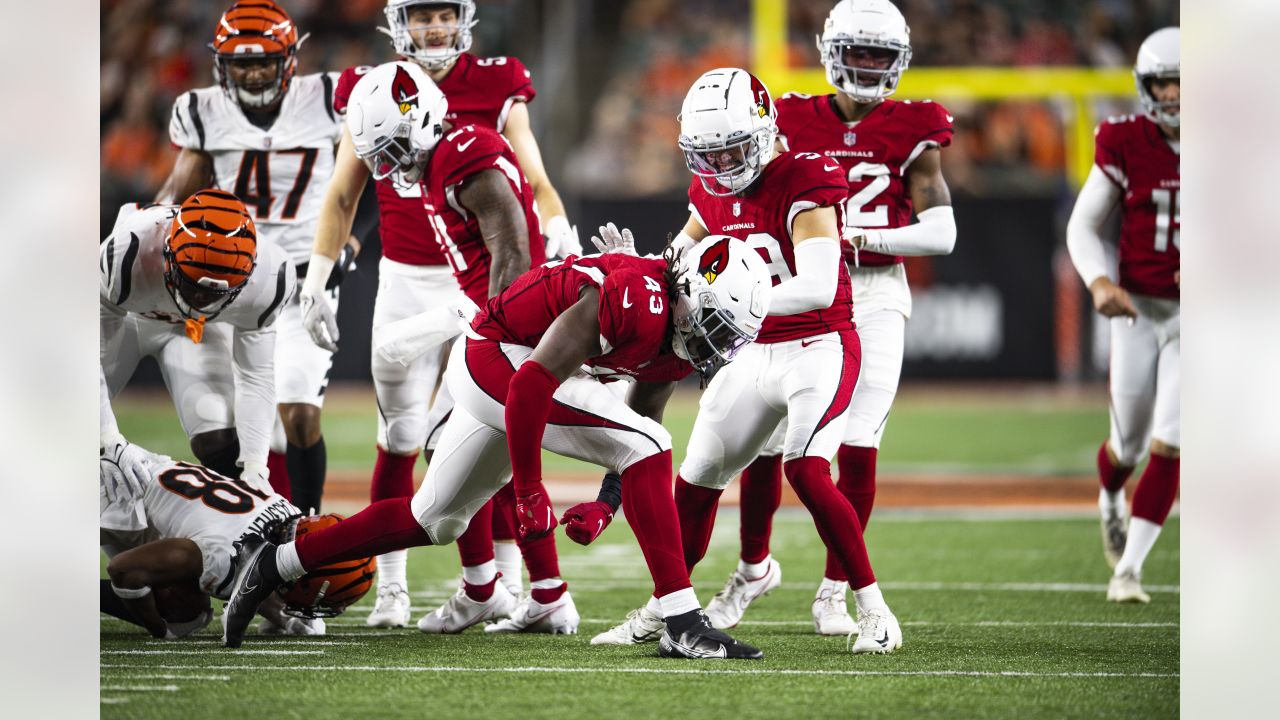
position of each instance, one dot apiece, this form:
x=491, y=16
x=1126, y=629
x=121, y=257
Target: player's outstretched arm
x=192, y=171
x=134, y=572
x=488, y=196
x=341, y=198
x=935, y=233
x=817, y=254
x=1098, y=196
x=253, y=352
x=562, y=238
x=690, y=234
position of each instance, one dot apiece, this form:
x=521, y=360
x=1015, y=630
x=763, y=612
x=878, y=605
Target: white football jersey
x=280, y=173
x=131, y=273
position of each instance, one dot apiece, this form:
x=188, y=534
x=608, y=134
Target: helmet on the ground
x=329, y=590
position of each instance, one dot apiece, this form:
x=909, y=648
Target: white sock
x=391, y=568
x=1142, y=536
x=869, y=598
x=754, y=571
x=679, y=602
x=479, y=574
x=287, y=562
x=506, y=554
x=546, y=584
x=832, y=587
x=1109, y=502
x=654, y=606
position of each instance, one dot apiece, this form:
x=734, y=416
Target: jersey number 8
x=233, y=497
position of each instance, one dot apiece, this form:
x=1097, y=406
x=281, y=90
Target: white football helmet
x=875, y=24
x=397, y=12
x=727, y=116
x=721, y=299
x=396, y=117
x=1159, y=57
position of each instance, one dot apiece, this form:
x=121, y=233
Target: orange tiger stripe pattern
x=256, y=28
x=213, y=238
x=328, y=591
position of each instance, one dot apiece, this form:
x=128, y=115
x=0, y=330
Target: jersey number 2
x=253, y=183
x=855, y=214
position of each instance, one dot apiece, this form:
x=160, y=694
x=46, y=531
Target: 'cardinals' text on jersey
x=635, y=320
x=874, y=154
x=480, y=92
x=461, y=154
x=1134, y=154
x=762, y=215
x=279, y=172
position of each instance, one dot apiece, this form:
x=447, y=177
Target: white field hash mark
x=139, y=688
x=205, y=651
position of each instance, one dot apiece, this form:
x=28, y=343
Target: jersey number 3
x=253, y=183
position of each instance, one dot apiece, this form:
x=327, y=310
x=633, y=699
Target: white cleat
x=461, y=612
x=641, y=626
x=1115, y=530
x=292, y=626
x=879, y=633
x=555, y=618
x=1127, y=588
x=831, y=613
x=728, y=606
x=392, y=608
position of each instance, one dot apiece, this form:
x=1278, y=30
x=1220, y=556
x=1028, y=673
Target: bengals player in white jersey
x=891, y=155
x=1137, y=167
x=415, y=274
x=268, y=135
x=191, y=286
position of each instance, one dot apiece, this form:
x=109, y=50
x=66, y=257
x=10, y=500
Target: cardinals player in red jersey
x=1137, y=167
x=520, y=384
x=804, y=365
x=414, y=273
x=891, y=155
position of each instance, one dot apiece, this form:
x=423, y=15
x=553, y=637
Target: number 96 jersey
x=280, y=172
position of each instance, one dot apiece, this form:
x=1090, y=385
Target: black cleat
x=253, y=584
x=703, y=642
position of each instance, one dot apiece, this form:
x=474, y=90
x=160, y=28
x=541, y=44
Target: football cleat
x=728, y=606
x=703, y=642
x=831, y=613
x=391, y=609
x=641, y=626
x=555, y=618
x=1115, y=529
x=1127, y=588
x=461, y=612
x=878, y=633
x=250, y=588
x=292, y=626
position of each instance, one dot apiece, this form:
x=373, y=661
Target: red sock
x=549, y=595
x=651, y=513
x=380, y=528
x=1157, y=489
x=759, y=499
x=1111, y=477
x=837, y=522
x=696, y=508
x=540, y=558
x=475, y=545
x=392, y=476
x=279, y=474
x=481, y=592
x=858, y=479
x=504, y=513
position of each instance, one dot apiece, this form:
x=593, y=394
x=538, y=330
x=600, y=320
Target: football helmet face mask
x=457, y=34
x=261, y=31
x=329, y=590
x=396, y=116
x=865, y=46
x=1159, y=57
x=727, y=127
x=210, y=253
x=721, y=299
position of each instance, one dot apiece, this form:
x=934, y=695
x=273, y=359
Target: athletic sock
x=654, y=606
x=475, y=544
x=383, y=526
x=480, y=592
x=834, y=517
x=869, y=598
x=1111, y=502
x=278, y=471
x=696, y=509
x=540, y=557
x=651, y=513
x=504, y=513
x=288, y=564
x=480, y=573
x=506, y=555
x=547, y=590
x=1142, y=537
x=391, y=568
x=754, y=571
x=307, y=467
x=857, y=466
x=392, y=476
x=678, y=603
x=759, y=497
x=1111, y=477
x=1152, y=501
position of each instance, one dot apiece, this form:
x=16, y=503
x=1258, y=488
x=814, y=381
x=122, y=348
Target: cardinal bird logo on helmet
x=761, y=94
x=404, y=90
x=714, y=260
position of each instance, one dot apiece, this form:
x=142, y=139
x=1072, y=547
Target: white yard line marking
x=685, y=671
x=113, y=701
x=941, y=623
x=265, y=640
x=169, y=676
x=205, y=651
x=622, y=584
x=140, y=688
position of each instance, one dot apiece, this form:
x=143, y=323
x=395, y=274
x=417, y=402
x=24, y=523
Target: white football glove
x=562, y=238
x=257, y=475
x=612, y=240
x=122, y=469
x=317, y=313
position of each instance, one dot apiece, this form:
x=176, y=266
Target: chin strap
x=195, y=329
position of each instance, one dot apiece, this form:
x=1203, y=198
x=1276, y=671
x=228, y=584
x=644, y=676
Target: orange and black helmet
x=327, y=591
x=210, y=254
x=255, y=30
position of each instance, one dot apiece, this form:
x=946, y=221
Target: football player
x=482, y=208
x=804, y=365
x=268, y=135
x=1137, y=167
x=191, y=286
x=891, y=155
x=520, y=386
x=415, y=272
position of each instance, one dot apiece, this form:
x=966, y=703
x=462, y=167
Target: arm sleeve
x=528, y=408
x=934, y=234
x=1084, y=240
x=814, y=285
x=253, y=353
x=110, y=328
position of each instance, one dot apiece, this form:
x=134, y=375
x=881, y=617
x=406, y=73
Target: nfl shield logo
x=266, y=143
x=737, y=208
x=850, y=138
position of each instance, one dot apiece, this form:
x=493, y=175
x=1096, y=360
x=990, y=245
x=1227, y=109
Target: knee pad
x=445, y=530
x=401, y=436
x=706, y=467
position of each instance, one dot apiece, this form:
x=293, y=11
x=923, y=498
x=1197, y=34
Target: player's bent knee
x=403, y=436
x=217, y=450
x=301, y=423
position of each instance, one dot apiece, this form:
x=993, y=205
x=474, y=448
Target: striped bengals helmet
x=327, y=591
x=255, y=30
x=211, y=251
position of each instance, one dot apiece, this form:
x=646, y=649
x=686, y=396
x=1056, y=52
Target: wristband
x=318, y=269
x=131, y=593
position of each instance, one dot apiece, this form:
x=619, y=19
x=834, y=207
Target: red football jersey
x=635, y=321
x=460, y=154
x=874, y=152
x=480, y=91
x=1134, y=154
x=762, y=215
